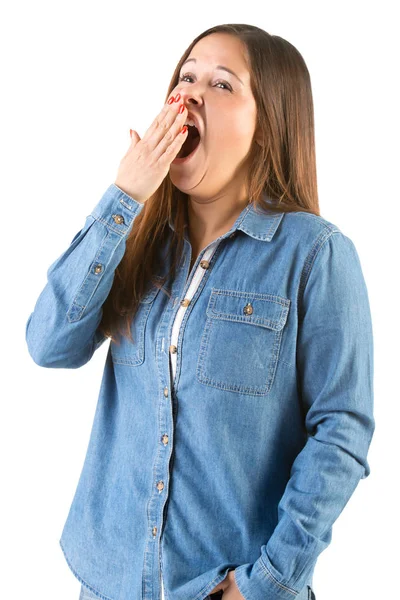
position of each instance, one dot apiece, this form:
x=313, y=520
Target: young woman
x=235, y=411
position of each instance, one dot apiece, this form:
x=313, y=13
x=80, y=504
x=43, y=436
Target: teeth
x=190, y=122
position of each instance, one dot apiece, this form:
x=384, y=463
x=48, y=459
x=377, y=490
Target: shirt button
x=185, y=302
x=165, y=439
x=248, y=309
x=98, y=269
x=172, y=349
x=118, y=219
x=166, y=392
x=160, y=485
x=154, y=531
x=204, y=264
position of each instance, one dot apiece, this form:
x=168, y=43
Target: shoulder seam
x=311, y=257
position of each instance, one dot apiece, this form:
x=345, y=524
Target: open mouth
x=190, y=145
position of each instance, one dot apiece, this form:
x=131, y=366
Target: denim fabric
x=245, y=453
x=87, y=594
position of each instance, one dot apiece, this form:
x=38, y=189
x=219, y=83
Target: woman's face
x=226, y=111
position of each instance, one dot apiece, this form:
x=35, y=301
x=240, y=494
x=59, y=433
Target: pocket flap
x=266, y=310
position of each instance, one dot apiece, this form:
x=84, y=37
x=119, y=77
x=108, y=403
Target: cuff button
x=248, y=309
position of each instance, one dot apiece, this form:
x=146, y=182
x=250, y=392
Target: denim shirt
x=232, y=433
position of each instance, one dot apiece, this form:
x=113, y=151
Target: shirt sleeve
x=62, y=331
x=335, y=370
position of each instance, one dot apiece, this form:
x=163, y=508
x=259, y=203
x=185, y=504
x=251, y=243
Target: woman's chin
x=183, y=174
x=186, y=182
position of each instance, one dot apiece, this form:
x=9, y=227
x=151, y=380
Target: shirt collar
x=260, y=224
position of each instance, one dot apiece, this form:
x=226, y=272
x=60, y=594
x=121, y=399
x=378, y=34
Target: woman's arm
x=335, y=369
x=62, y=331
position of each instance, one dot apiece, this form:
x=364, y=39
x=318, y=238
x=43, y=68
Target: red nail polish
x=181, y=109
x=184, y=129
x=170, y=101
x=177, y=97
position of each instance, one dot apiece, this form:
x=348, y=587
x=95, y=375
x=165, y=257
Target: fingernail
x=177, y=97
x=170, y=101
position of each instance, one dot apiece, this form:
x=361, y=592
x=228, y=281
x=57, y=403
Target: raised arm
x=62, y=331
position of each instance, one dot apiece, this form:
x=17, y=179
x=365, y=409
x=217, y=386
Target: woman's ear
x=259, y=140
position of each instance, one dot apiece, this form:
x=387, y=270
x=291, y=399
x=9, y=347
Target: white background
x=76, y=76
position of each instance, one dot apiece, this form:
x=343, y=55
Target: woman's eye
x=227, y=86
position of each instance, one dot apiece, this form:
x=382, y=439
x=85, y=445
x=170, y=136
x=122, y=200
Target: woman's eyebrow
x=217, y=67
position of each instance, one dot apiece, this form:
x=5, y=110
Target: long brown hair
x=283, y=169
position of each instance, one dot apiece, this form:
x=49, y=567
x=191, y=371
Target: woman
x=236, y=407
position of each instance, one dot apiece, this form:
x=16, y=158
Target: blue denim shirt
x=232, y=433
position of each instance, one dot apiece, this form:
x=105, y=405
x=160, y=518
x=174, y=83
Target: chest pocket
x=240, y=345
x=133, y=354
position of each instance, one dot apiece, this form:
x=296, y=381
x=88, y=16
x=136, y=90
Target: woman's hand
x=229, y=587
x=147, y=162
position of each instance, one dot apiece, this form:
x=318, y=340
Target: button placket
x=203, y=266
